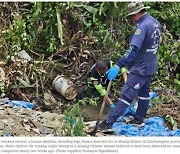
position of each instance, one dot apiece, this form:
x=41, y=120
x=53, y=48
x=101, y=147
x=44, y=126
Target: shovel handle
x=93, y=133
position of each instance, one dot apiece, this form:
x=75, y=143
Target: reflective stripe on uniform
x=124, y=101
x=111, y=63
x=93, y=67
x=144, y=98
x=90, y=82
x=92, y=79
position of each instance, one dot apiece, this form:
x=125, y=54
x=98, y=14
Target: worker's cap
x=135, y=7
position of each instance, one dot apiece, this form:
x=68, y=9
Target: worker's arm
x=129, y=56
x=108, y=100
x=123, y=61
x=102, y=91
x=99, y=88
x=124, y=74
x=124, y=77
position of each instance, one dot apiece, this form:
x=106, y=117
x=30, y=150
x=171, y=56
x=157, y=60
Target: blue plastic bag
x=125, y=129
x=8, y=135
x=21, y=104
x=153, y=95
x=154, y=126
x=130, y=110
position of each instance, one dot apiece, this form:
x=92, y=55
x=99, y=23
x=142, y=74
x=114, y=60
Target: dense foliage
x=45, y=28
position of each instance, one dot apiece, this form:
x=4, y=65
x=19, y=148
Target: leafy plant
x=170, y=121
x=92, y=101
x=74, y=125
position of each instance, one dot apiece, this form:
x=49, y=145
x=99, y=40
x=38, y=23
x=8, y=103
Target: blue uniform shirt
x=141, y=57
x=147, y=39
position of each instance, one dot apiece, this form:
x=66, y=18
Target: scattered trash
x=71, y=119
x=45, y=130
x=131, y=110
x=125, y=129
x=153, y=95
x=154, y=126
x=65, y=87
x=8, y=135
x=24, y=55
x=18, y=121
x=20, y=103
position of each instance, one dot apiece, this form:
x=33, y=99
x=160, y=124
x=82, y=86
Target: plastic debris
x=130, y=110
x=71, y=120
x=153, y=95
x=20, y=103
x=154, y=126
x=8, y=135
x=125, y=129
x=24, y=55
x=65, y=87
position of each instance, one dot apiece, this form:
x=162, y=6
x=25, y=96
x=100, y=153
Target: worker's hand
x=113, y=72
x=112, y=106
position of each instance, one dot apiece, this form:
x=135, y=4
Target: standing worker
x=142, y=62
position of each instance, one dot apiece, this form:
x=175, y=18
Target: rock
x=2, y=74
x=10, y=111
x=27, y=128
x=25, y=120
x=19, y=121
x=36, y=130
x=1, y=125
x=10, y=121
x=2, y=100
x=7, y=105
x=1, y=112
x=45, y=130
x=59, y=117
x=5, y=121
x=49, y=99
x=52, y=124
x=47, y=115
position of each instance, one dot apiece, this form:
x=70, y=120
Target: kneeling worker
x=97, y=79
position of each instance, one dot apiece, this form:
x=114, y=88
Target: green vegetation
x=73, y=31
x=45, y=28
x=73, y=125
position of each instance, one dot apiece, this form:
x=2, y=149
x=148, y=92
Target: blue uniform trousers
x=135, y=85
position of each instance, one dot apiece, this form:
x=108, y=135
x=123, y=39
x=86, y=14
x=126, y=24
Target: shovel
x=93, y=133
